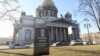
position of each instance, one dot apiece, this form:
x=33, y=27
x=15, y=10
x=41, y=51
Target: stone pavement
x=4, y=47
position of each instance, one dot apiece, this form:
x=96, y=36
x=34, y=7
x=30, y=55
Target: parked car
x=30, y=45
x=17, y=45
x=55, y=44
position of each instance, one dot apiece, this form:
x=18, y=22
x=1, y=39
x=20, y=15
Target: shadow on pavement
x=16, y=54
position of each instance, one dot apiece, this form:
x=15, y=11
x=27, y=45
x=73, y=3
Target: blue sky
x=29, y=6
x=63, y=5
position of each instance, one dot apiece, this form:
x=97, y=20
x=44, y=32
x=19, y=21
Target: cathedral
x=46, y=14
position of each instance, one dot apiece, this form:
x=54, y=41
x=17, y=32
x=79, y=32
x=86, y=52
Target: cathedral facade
x=46, y=14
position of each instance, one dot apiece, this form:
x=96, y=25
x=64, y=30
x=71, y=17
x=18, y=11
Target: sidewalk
x=4, y=47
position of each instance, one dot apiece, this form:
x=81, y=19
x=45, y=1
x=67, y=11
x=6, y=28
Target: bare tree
x=7, y=9
x=92, y=9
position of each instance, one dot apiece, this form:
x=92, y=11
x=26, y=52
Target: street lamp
x=87, y=25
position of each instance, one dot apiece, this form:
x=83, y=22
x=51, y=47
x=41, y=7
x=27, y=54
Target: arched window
x=21, y=20
x=46, y=13
x=28, y=35
x=40, y=13
x=51, y=13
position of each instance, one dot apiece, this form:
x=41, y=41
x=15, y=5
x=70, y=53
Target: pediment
x=62, y=21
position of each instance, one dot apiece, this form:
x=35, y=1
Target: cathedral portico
x=46, y=15
x=60, y=34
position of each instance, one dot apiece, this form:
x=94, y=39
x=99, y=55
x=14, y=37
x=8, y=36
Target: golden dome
x=49, y=4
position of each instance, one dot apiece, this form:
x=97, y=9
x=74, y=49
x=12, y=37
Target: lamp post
x=87, y=25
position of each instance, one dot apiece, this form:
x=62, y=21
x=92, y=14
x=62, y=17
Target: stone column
x=73, y=37
x=61, y=34
x=73, y=34
x=56, y=34
x=65, y=34
x=77, y=33
x=70, y=37
x=52, y=34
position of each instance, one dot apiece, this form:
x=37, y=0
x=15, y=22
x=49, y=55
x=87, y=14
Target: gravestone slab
x=41, y=41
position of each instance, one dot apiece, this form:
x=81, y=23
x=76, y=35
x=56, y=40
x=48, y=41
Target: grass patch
x=17, y=52
x=88, y=50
